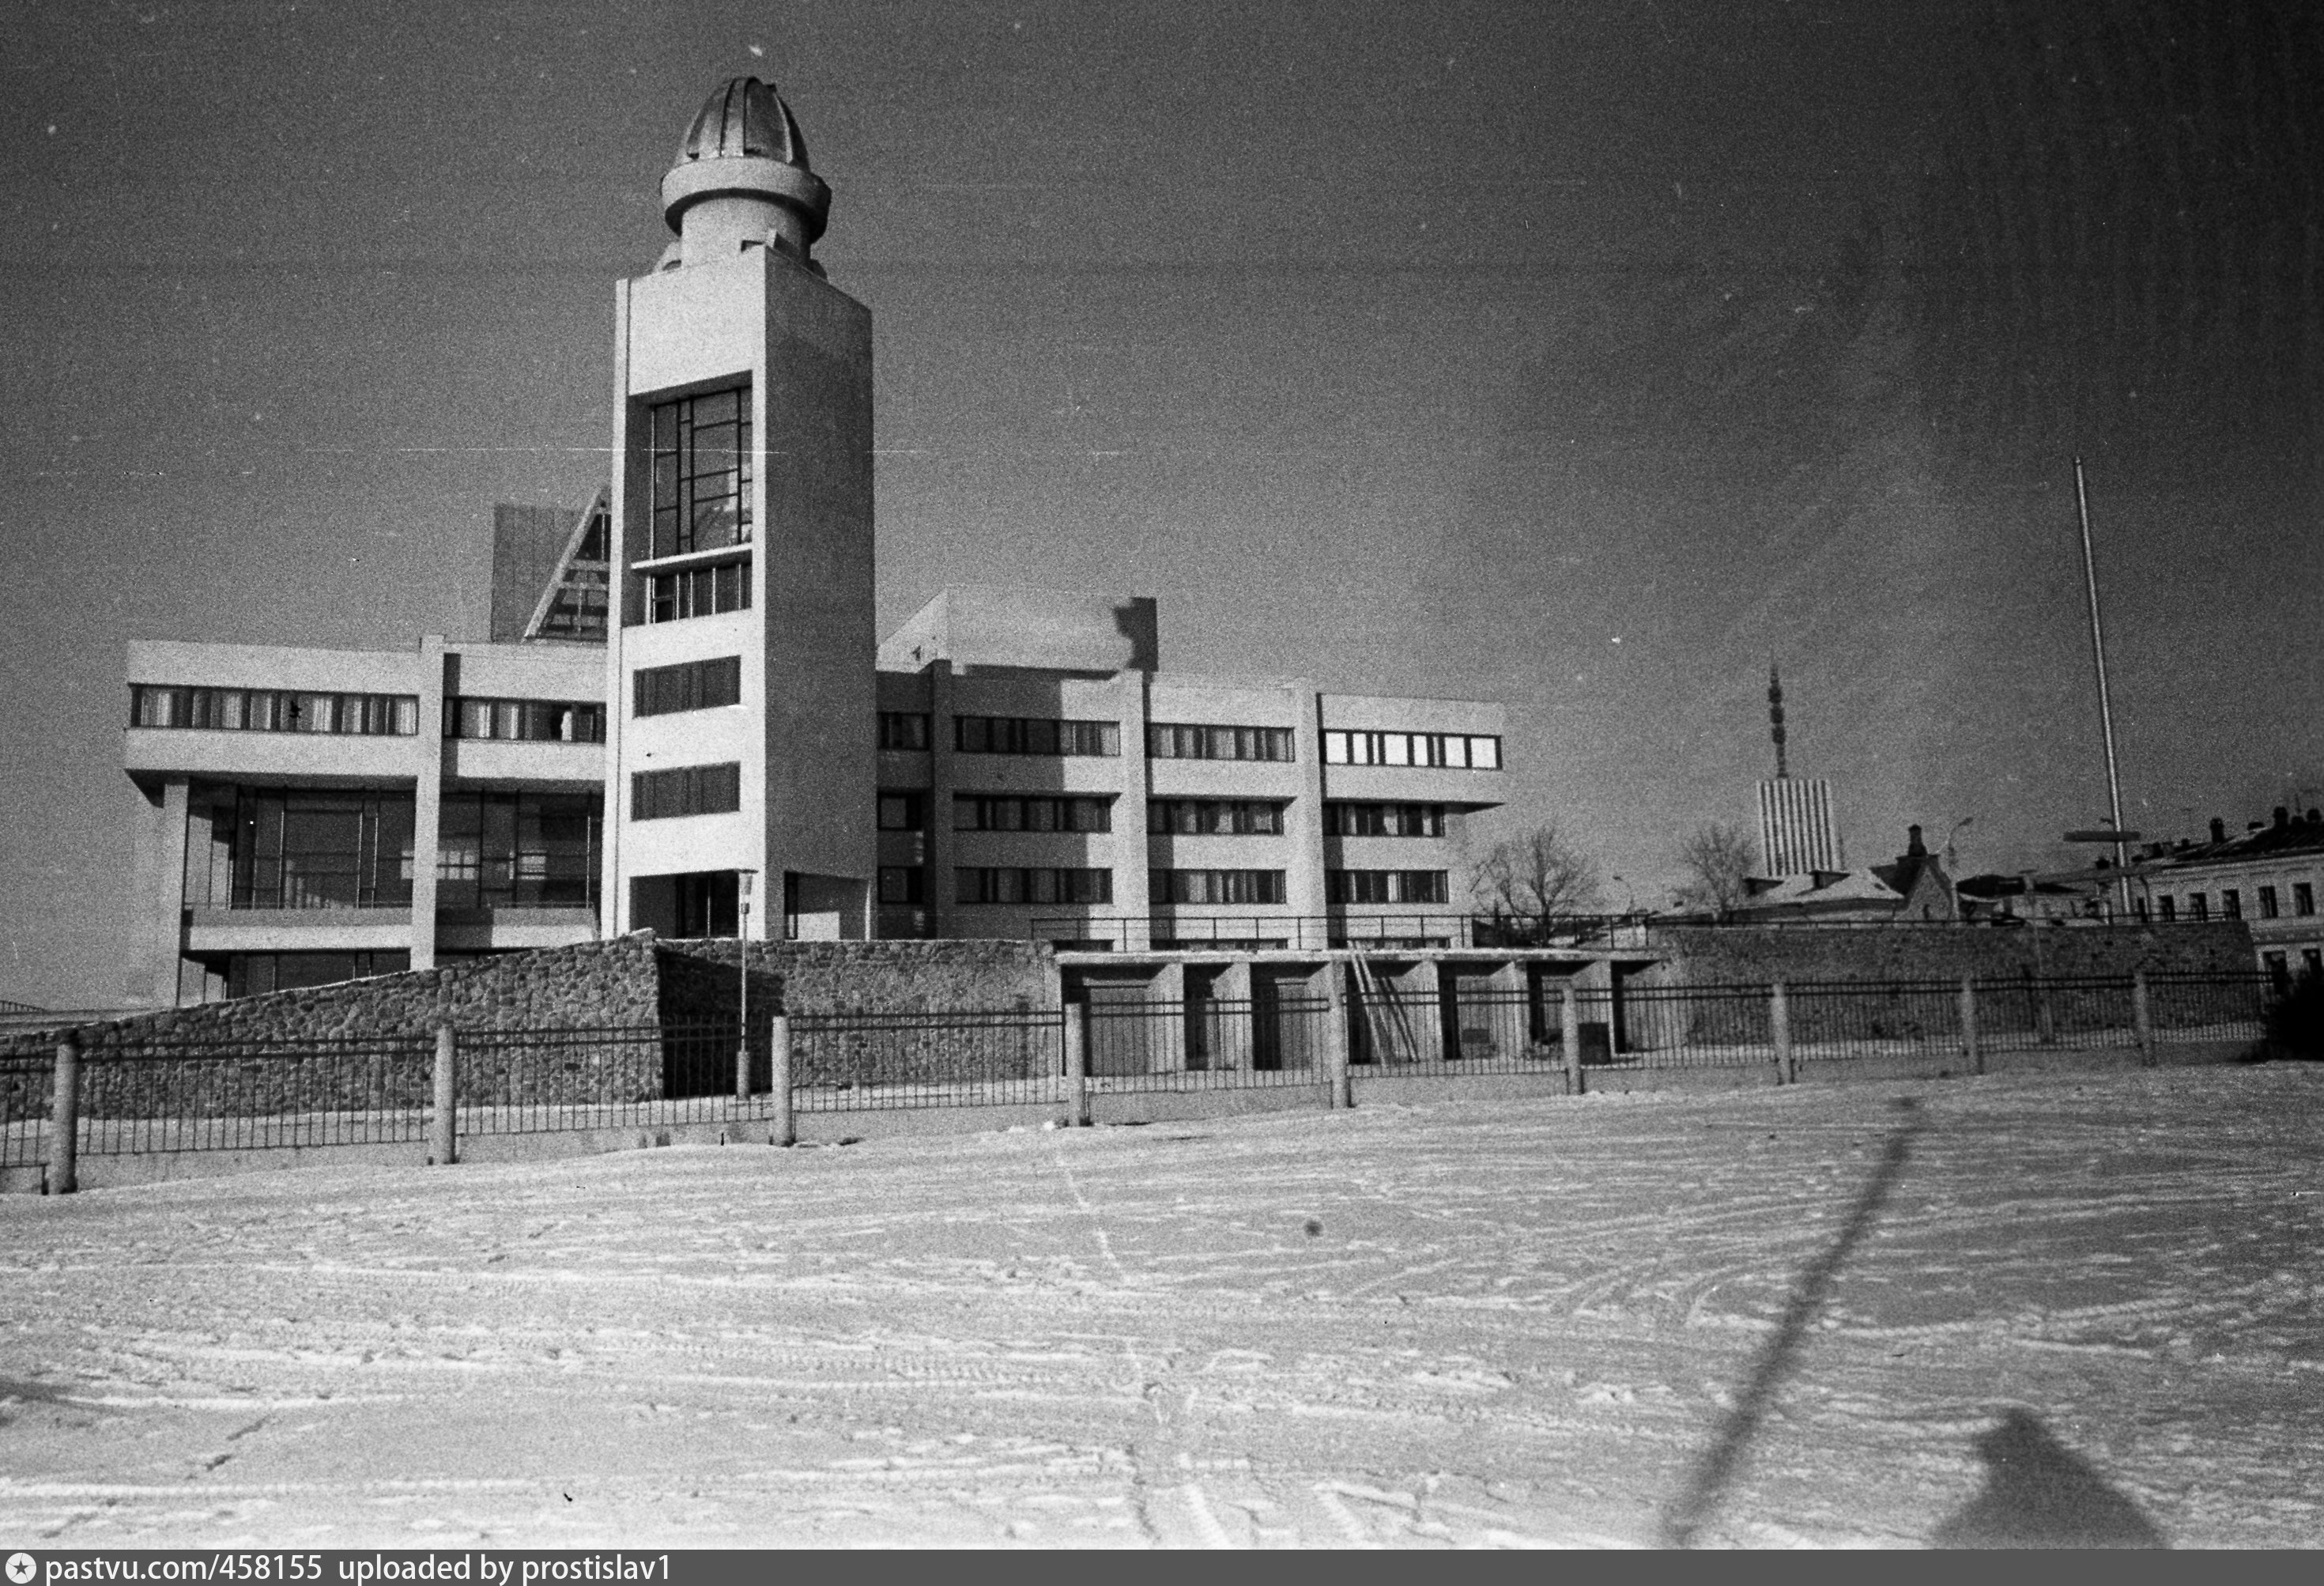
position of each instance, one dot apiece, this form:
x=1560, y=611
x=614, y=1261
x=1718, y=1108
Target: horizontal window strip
x=273, y=710
x=527, y=720
x=696, y=685
x=694, y=789
x=1217, y=886
x=1011, y=812
x=1033, y=884
x=1349, y=819
x=1201, y=741
x=1219, y=817
x=1459, y=752
x=1041, y=735
x=1385, y=886
x=903, y=729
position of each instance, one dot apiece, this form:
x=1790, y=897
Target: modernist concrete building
x=682, y=719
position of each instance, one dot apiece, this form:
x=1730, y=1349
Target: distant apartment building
x=2270, y=876
x=1798, y=833
x=682, y=719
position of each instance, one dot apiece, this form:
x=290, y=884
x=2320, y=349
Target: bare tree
x=1718, y=862
x=1535, y=878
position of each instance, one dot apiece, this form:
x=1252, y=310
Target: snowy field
x=1463, y=1324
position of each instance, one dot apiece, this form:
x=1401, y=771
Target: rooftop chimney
x=2219, y=830
x=1913, y=847
x=2282, y=817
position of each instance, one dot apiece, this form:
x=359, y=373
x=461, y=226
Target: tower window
x=694, y=789
x=701, y=473
x=699, y=592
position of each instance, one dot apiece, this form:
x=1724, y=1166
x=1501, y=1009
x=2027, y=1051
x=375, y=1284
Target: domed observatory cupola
x=741, y=180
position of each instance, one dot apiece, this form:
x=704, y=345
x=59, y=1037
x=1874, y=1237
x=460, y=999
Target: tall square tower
x=740, y=668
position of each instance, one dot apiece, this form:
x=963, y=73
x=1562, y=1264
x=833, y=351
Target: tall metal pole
x=2105, y=706
x=742, y=880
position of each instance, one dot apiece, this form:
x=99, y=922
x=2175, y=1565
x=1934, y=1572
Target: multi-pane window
x=1384, y=820
x=1168, y=740
x=255, y=975
x=698, y=591
x=2303, y=898
x=692, y=790
x=518, y=851
x=1452, y=751
x=2311, y=959
x=1384, y=886
x=1009, y=812
x=903, y=812
x=295, y=848
x=2138, y=909
x=2231, y=904
x=1034, y=736
x=903, y=729
x=2279, y=971
x=696, y=685
x=1215, y=818
x=2198, y=906
x=1215, y=886
x=1018, y=884
x=902, y=883
x=2169, y=906
x=531, y=721
x=701, y=473
x=273, y=710
x=2268, y=906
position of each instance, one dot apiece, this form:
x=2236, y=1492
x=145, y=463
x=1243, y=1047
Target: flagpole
x=2105, y=706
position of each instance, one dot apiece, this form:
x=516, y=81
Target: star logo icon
x=22, y=1569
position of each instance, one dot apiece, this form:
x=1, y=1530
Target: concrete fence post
x=444, y=1123
x=1779, y=1028
x=1568, y=1015
x=1339, y=1089
x=779, y=1080
x=1972, y=1052
x=63, y=1176
x=1076, y=1027
x=742, y=1065
x=2142, y=1018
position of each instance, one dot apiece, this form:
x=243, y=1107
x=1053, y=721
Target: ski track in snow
x=1515, y=1324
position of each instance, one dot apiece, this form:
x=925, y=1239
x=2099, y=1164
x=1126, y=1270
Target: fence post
x=444, y=1127
x=63, y=1176
x=2142, y=1018
x=1076, y=1027
x=779, y=1078
x=1972, y=1051
x=1570, y=1033
x=1779, y=1027
x=742, y=1065
x=1340, y=1090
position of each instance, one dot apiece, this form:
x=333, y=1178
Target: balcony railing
x=1383, y=932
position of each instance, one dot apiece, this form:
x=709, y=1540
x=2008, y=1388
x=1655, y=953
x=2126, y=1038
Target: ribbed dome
x=745, y=119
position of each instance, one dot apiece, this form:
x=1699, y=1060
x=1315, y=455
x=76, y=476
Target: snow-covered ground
x=1458, y=1324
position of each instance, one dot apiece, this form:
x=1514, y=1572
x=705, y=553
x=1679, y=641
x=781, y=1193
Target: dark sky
x=1581, y=356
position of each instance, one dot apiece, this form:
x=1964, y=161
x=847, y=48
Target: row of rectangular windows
x=1385, y=886
x=297, y=848
x=696, y=685
x=529, y=721
x=1170, y=741
x=698, y=591
x=2231, y=903
x=1463, y=751
x=2279, y=966
x=1167, y=888
x=273, y=710
x=692, y=789
x=1010, y=812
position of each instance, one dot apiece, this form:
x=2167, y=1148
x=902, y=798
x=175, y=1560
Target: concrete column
x=1304, y=827
x=439, y=674
x=1076, y=1034
x=778, y=1065
x=1167, y=1049
x=64, y=1121
x=1231, y=1033
x=1972, y=1051
x=444, y=1121
x=1570, y=1025
x=942, y=906
x=170, y=891
x=1132, y=897
x=1338, y=1090
x=2142, y=1018
x=1779, y=1028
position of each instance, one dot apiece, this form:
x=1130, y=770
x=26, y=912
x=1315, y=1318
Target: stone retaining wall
x=1758, y=955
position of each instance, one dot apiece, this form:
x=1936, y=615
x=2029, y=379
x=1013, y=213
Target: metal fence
x=236, y=1096
x=844, y=1061
x=548, y=1081
x=28, y=1088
